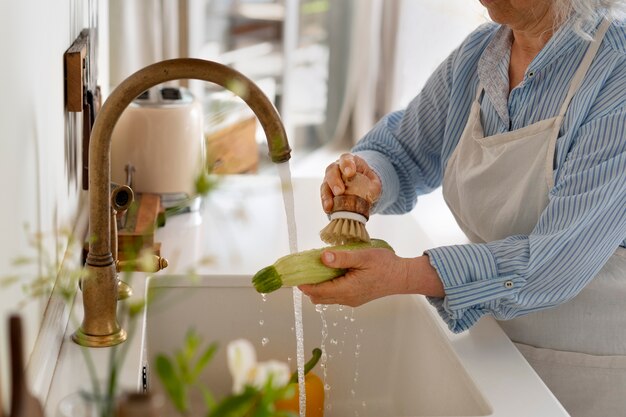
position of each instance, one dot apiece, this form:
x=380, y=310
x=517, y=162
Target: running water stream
x=287, y=191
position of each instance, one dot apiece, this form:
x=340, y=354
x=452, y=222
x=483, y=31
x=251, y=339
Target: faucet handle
x=124, y=290
x=151, y=263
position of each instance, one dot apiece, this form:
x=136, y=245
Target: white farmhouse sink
x=391, y=357
x=387, y=358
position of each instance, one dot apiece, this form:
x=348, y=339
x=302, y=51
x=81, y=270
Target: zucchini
x=305, y=267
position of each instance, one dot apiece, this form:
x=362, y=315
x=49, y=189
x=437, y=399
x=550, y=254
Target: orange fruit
x=314, y=397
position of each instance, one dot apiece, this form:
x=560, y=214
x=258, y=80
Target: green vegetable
x=181, y=372
x=305, y=267
x=317, y=354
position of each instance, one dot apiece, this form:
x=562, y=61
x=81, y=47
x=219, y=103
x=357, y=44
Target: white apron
x=497, y=186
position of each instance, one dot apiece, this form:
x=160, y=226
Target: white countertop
x=242, y=227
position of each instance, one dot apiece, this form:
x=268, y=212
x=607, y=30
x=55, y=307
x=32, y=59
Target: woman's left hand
x=373, y=273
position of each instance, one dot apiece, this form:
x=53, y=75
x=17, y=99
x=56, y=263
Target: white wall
x=428, y=31
x=39, y=156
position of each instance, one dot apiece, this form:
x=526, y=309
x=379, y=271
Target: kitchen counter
x=241, y=227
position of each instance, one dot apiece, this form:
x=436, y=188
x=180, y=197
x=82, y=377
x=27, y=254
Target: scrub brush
x=350, y=213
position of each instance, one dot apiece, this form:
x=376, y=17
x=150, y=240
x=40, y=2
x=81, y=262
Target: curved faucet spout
x=100, y=326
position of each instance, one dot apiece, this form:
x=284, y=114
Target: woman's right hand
x=348, y=167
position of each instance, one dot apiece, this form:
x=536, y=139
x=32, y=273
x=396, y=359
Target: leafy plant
x=182, y=372
x=39, y=285
x=263, y=383
x=63, y=280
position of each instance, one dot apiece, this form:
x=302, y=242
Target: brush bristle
x=343, y=231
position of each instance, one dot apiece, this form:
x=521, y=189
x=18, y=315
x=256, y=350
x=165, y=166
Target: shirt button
x=531, y=74
x=508, y=284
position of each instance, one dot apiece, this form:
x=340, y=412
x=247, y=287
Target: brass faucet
x=100, y=327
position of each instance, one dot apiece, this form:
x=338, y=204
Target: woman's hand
x=373, y=273
x=339, y=175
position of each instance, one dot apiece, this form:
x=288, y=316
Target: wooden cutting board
x=136, y=227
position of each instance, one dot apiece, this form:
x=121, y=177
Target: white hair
x=586, y=12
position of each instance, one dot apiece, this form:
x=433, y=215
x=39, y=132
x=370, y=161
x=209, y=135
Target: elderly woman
x=524, y=126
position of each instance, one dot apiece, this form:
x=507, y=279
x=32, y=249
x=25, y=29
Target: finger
x=316, y=293
x=375, y=186
x=328, y=292
x=360, y=164
x=334, y=180
x=346, y=259
x=347, y=165
x=340, y=290
x=327, y=197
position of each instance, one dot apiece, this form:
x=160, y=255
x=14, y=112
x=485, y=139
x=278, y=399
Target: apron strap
x=579, y=76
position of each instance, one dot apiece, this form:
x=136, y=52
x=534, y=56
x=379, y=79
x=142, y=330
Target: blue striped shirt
x=585, y=220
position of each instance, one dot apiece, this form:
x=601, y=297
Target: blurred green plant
x=42, y=273
x=257, y=385
x=204, y=183
x=39, y=273
x=182, y=372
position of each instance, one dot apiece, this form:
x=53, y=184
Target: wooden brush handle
x=352, y=203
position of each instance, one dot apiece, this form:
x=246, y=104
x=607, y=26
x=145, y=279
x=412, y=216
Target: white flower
x=245, y=370
x=241, y=362
x=278, y=371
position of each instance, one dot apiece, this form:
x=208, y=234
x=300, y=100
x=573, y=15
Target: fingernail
x=336, y=190
x=348, y=170
x=329, y=257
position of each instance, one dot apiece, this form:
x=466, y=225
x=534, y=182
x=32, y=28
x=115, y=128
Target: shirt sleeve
x=582, y=226
x=405, y=147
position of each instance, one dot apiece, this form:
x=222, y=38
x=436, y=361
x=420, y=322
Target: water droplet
x=261, y=322
x=265, y=341
x=353, y=393
x=333, y=341
x=335, y=324
x=327, y=387
x=318, y=308
x=264, y=297
x=352, y=319
x=364, y=404
x=358, y=346
x=324, y=356
x=356, y=354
